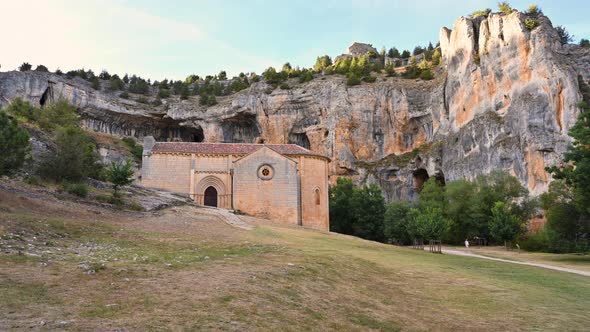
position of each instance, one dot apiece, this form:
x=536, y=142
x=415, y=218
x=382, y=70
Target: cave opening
x=419, y=176
x=439, y=176
x=45, y=96
x=198, y=135
x=300, y=139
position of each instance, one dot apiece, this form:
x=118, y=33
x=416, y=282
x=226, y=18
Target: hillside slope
x=504, y=98
x=73, y=266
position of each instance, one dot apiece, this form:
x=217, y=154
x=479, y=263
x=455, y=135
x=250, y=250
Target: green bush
x=78, y=189
x=352, y=79
x=142, y=100
x=390, y=70
x=58, y=115
x=533, y=10
x=584, y=42
x=436, y=57
x=284, y=86
x=115, y=83
x=531, y=23
x=426, y=74
x=163, y=93
x=14, y=144
x=124, y=95
x=95, y=83
x=135, y=149
x=369, y=79
x=74, y=159
x=23, y=111
x=322, y=63
x=33, y=180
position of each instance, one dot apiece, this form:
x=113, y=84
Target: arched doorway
x=210, y=198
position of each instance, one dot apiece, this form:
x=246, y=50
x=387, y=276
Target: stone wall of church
x=274, y=198
x=167, y=171
x=314, y=193
x=213, y=170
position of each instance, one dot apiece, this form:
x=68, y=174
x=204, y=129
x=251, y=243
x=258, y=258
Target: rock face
x=504, y=98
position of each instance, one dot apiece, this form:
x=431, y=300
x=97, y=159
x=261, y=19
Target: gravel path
x=545, y=266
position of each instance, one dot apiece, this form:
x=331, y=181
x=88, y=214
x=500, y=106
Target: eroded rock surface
x=504, y=98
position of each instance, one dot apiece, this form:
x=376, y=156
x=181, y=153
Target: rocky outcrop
x=504, y=98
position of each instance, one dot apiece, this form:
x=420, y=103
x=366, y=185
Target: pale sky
x=171, y=39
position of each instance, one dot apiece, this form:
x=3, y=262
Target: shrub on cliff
x=322, y=62
x=505, y=8
x=531, y=23
x=95, y=83
x=584, y=42
x=115, y=83
x=436, y=57
x=25, y=67
x=41, y=68
x=533, y=10
x=14, y=144
x=352, y=79
x=479, y=13
x=564, y=35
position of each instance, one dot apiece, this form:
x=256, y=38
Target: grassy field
x=66, y=265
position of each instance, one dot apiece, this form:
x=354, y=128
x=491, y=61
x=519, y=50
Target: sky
x=175, y=38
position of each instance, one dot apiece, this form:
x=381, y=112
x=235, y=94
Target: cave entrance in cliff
x=46, y=96
x=440, y=178
x=198, y=136
x=420, y=176
x=210, y=198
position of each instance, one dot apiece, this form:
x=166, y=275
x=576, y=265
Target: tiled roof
x=229, y=148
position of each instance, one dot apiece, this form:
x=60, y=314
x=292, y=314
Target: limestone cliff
x=504, y=98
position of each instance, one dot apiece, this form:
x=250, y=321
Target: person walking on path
x=466, y=243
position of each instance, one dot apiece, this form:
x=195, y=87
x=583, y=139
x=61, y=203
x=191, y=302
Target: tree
x=25, y=67
x=126, y=78
x=504, y=8
x=357, y=211
x=393, y=53
x=504, y=226
x=14, y=144
x=222, y=75
x=390, y=70
x=23, y=110
x=184, y=92
x=192, y=79
x=58, y=115
x=395, y=222
x=418, y=50
x=104, y=75
x=74, y=159
x=95, y=83
x=564, y=35
x=436, y=57
x=406, y=54
x=432, y=195
x=341, y=218
x=342, y=65
x=115, y=83
x=584, y=42
x=322, y=62
x=430, y=47
x=460, y=211
x=41, y=68
x=287, y=68
x=352, y=79
x=533, y=10
x=120, y=174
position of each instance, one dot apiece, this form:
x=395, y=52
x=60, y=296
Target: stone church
x=282, y=182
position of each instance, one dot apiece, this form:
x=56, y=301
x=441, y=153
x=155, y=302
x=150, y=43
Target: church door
x=211, y=197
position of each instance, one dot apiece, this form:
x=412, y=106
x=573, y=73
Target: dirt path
x=545, y=266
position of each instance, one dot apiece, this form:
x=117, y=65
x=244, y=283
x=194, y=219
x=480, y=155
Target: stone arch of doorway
x=212, y=185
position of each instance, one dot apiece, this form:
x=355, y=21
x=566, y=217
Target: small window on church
x=265, y=172
x=317, y=196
